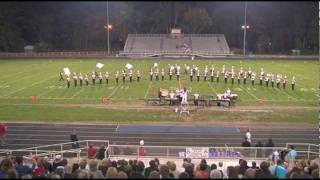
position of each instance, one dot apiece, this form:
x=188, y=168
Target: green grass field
x=21, y=79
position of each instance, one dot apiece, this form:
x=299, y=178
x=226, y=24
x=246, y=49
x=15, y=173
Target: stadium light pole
x=244, y=28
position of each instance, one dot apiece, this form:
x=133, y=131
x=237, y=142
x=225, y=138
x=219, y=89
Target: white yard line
x=46, y=92
x=75, y=94
x=27, y=86
x=212, y=88
x=114, y=91
x=146, y=94
x=254, y=96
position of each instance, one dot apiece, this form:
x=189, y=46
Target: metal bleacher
x=203, y=45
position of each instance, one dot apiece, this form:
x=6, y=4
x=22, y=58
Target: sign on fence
x=197, y=152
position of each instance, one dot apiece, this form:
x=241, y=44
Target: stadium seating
x=205, y=45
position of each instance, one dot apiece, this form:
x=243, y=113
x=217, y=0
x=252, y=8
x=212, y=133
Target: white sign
x=197, y=152
x=129, y=66
x=99, y=65
x=66, y=71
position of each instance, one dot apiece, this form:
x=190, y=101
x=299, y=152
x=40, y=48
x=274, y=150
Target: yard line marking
x=46, y=92
x=145, y=95
x=114, y=91
x=212, y=88
x=254, y=96
x=27, y=86
x=287, y=94
x=76, y=93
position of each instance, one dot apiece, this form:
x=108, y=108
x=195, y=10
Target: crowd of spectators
x=39, y=167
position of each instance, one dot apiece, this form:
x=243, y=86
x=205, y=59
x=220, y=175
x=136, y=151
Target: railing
x=63, y=149
x=56, y=54
x=311, y=149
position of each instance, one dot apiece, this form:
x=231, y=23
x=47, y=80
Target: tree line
x=275, y=27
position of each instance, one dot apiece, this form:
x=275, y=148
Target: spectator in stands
x=215, y=174
x=91, y=152
x=11, y=174
x=250, y=173
x=5, y=166
x=68, y=172
x=291, y=156
x=222, y=169
x=122, y=175
x=152, y=167
x=59, y=171
x=164, y=172
x=204, y=161
x=231, y=173
x=138, y=170
x=154, y=175
x=79, y=174
x=184, y=175
x=280, y=171
x=57, y=162
x=101, y=152
x=204, y=174
x=112, y=173
x=189, y=169
x=20, y=168
x=105, y=164
x=243, y=167
x=75, y=167
x=40, y=169
x=213, y=166
x=83, y=165
x=263, y=172
x=93, y=170
x=254, y=165
x=173, y=169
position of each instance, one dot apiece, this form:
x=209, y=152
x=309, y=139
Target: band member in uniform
x=272, y=80
x=198, y=75
x=253, y=77
x=170, y=74
x=232, y=78
x=80, y=78
x=249, y=72
x=196, y=99
x=217, y=76
x=284, y=81
x=241, y=71
x=138, y=75
x=212, y=69
x=68, y=81
x=151, y=74
x=239, y=77
x=157, y=74
x=278, y=81
x=226, y=77
x=75, y=79
x=61, y=76
x=100, y=77
x=260, y=77
x=93, y=76
x=117, y=77
x=130, y=75
x=266, y=80
x=293, y=82
x=162, y=74
x=106, y=75
x=86, y=79
x=262, y=72
x=212, y=75
x=205, y=73
x=123, y=76
x=178, y=75
x=191, y=74
x=223, y=69
x=244, y=77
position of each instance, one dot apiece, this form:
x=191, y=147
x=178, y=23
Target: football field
x=21, y=79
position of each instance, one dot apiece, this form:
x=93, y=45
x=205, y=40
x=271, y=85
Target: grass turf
x=21, y=79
